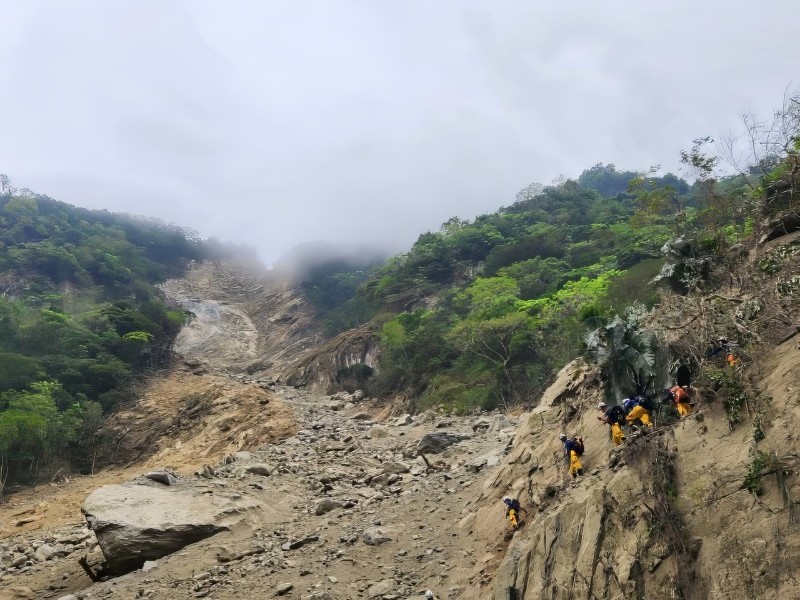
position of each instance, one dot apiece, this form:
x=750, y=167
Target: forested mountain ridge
x=80, y=316
x=483, y=313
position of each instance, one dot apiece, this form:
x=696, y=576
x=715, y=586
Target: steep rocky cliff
x=667, y=516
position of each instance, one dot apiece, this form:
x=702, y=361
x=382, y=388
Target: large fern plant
x=626, y=353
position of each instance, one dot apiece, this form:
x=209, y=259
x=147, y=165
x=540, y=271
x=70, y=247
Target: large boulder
x=326, y=505
x=139, y=521
x=381, y=588
x=438, y=441
x=374, y=537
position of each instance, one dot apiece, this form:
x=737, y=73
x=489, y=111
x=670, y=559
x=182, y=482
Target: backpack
x=646, y=403
x=680, y=395
x=577, y=446
x=616, y=414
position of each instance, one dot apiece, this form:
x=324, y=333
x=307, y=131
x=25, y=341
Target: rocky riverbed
x=359, y=503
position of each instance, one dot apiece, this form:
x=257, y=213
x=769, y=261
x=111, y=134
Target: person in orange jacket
x=681, y=398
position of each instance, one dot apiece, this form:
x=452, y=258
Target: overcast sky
x=273, y=123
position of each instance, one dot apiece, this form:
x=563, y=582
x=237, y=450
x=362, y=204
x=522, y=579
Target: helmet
x=562, y=436
x=506, y=498
x=429, y=594
x=602, y=405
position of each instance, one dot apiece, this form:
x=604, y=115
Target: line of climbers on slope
x=636, y=410
x=573, y=448
x=633, y=410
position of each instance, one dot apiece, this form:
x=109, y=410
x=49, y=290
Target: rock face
x=140, y=521
x=665, y=516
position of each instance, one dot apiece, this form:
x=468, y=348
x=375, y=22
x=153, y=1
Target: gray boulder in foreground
x=140, y=521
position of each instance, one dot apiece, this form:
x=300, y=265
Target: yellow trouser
x=639, y=412
x=616, y=434
x=574, y=463
x=512, y=516
x=683, y=408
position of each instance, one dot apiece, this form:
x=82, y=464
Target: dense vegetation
x=80, y=316
x=483, y=313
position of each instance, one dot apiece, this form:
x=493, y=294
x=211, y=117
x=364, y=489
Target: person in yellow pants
x=636, y=412
x=680, y=397
x=513, y=509
x=574, y=451
x=616, y=434
x=615, y=417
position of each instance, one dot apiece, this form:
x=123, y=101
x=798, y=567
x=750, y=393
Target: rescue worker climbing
x=723, y=345
x=574, y=451
x=615, y=417
x=513, y=508
x=681, y=398
x=634, y=411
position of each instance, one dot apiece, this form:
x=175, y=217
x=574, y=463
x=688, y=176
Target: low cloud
x=270, y=124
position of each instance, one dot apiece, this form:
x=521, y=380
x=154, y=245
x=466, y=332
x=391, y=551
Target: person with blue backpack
x=574, y=450
x=513, y=508
x=636, y=409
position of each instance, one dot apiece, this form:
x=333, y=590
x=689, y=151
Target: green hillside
x=483, y=313
x=80, y=316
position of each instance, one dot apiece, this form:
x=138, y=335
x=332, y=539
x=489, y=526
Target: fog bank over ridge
x=268, y=125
